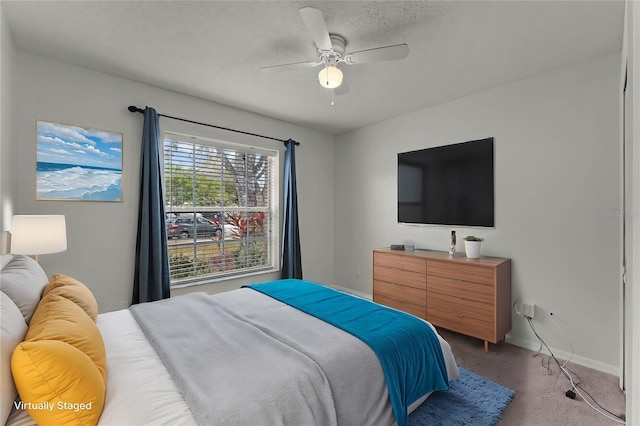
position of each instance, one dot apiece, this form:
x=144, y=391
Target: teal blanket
x=408, y=349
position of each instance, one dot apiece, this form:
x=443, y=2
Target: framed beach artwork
x=77, y=163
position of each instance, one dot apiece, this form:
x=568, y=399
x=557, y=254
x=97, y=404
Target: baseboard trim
x=564, y=355
x=529, y=344
x=354, y=292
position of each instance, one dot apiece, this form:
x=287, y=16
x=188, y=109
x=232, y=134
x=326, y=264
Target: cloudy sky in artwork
x=66, y=144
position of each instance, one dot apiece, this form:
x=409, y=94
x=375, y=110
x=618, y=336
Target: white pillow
x=23, y=280
x=13, y=329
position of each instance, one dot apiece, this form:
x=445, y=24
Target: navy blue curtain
x=152, y=279
x=291, y=258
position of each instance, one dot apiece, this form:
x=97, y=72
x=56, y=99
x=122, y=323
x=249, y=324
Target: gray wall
x=8, y=146
x=557, y=174
x=631, y=53
x=102, y=236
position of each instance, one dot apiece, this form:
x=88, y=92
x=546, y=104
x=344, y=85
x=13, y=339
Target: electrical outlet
x=528, y=310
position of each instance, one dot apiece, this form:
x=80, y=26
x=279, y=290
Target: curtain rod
x=133, y=108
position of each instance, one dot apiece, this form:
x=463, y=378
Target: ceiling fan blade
x=314, y=20
x=290, y=67
x=378, y=54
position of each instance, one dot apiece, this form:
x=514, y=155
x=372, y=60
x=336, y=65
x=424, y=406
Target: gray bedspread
x=242, y=358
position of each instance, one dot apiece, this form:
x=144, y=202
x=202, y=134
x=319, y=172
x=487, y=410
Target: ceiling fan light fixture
x=330, y=77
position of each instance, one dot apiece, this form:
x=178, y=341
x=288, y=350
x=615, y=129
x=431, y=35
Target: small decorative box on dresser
x=469, y=296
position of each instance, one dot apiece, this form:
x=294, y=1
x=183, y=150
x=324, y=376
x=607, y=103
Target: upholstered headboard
x=5, y=242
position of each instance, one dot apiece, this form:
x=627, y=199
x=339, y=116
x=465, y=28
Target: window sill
x=209, y=280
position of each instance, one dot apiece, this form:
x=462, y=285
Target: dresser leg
x=486, y=346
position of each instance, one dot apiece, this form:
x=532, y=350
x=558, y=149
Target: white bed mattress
x=140, y=390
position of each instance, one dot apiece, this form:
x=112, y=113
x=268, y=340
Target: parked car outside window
x=188, y=226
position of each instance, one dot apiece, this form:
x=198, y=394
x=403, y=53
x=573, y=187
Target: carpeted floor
x=540, y=398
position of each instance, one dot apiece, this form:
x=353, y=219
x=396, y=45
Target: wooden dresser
x=469, y=296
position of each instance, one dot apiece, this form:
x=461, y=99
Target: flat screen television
x=448, y=185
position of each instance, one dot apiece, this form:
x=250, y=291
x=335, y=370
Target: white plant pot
x=472, y=249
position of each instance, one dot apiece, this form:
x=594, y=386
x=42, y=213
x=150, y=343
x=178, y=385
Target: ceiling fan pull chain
x=332, y=103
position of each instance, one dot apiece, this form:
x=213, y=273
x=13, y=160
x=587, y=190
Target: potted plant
x=472, y=246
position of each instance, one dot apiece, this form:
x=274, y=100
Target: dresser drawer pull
x=456, y=315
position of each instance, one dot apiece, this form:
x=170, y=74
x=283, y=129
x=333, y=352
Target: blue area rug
x=472, y=400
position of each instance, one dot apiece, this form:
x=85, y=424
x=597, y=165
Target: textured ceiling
x=215, y=49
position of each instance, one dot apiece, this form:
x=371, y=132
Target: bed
x=246, y=358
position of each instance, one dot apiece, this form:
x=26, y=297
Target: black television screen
x=447, y=185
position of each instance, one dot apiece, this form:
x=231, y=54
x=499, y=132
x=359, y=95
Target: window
x=220, y=202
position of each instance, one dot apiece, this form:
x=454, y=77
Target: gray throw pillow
x=13, y=329
x=23, y=280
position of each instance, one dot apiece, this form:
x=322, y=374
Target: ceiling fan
x=331, y=50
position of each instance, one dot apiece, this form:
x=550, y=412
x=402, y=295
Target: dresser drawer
x=460, y=306
x=400, y=261
x=400, y=292
x=417, y=310
x=462, y=271
x=468, y=296
x=398, y=276
x=461, y=289
x=462, y=324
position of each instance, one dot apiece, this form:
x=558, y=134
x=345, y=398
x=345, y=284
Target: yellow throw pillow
x=57, y=383
x=75, y=291
x=58, y=318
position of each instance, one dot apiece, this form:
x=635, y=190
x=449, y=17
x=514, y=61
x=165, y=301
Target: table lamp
x=38, y=234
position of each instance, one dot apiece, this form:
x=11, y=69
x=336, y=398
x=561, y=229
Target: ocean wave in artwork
x=73, y=182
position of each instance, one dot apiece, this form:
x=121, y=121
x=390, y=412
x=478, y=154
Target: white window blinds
x=220, y=208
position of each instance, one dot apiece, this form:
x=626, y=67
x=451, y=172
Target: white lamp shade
x=38, y=234
x=330, y=77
